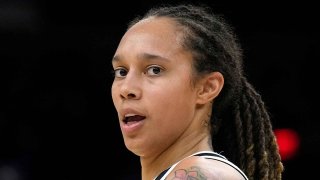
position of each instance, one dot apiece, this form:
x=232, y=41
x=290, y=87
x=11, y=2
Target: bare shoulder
x=200, y=168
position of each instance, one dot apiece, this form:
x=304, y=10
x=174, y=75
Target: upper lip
x=127, y=112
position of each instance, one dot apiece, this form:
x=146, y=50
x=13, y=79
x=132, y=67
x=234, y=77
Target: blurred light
x=288, y=141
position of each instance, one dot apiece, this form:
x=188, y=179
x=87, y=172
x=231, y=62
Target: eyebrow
x=142, y=56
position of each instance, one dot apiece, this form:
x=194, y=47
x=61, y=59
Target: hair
x=240, y=124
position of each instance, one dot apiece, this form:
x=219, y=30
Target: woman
x=183, y=102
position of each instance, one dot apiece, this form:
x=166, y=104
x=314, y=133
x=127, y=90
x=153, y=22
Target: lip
x=132, y=127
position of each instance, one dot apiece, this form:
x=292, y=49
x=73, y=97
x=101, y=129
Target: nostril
x=128, y=96
x=131, y=95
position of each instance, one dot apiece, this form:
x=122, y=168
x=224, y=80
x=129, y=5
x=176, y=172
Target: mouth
x=129, y=118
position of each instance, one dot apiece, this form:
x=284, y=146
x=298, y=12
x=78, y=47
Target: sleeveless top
x=207, y=155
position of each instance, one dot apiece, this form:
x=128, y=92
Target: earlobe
x=210, y=87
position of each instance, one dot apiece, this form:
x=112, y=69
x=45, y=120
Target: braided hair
x=240, y=124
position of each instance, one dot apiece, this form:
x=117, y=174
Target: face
x=152, y=90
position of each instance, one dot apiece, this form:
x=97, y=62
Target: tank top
x=207, y=155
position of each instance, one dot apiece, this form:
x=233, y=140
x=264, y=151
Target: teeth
x=129, y=115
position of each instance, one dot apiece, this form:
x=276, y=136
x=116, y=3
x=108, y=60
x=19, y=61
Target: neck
x=197, y=137
x=153, y=166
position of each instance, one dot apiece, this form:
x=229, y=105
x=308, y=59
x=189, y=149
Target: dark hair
x=241, y=126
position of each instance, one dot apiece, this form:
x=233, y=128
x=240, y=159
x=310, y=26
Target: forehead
x=161, y=24
x=160, y=29
x=159, y=36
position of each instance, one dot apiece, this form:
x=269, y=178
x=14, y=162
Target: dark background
x=57, y=120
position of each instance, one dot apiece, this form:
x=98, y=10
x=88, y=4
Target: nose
x=128, y=95
x=130, y=88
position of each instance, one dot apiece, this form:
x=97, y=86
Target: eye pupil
x=122, y=72
x=156, y=70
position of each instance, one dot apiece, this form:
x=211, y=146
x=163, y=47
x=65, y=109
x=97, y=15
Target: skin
x=200, y=168
x=155, y=84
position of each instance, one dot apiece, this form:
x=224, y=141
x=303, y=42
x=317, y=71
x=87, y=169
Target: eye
x=120, y=72
x=154, y=70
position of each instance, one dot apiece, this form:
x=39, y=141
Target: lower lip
x=131, y=127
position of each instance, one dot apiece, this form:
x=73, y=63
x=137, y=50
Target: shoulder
x=196, y=167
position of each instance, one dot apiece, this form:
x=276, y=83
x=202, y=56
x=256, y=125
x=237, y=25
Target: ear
x=209, y=87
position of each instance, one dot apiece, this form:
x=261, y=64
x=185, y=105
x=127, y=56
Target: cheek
x=115, y=97
x=172, y=112
x=173, y=101
x=114, y=94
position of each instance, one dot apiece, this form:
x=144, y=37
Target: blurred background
x=57, y=120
